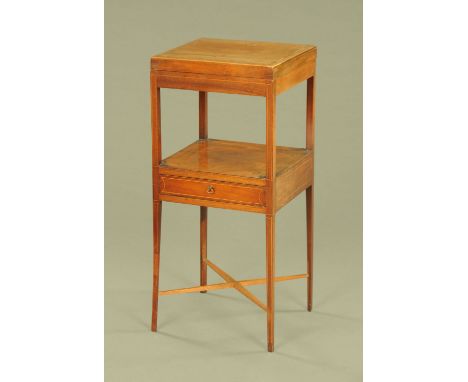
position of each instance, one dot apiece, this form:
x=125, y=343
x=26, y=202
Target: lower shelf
x=227, y=174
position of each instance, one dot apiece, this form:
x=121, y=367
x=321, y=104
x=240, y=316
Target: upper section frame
x=233, y=66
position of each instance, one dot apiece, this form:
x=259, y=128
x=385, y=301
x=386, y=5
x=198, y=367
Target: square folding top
x=287, y=64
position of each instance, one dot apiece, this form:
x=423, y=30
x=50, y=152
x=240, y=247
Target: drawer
x=212, y=190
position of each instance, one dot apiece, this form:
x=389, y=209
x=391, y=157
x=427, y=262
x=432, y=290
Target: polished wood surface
x=310, y=246
x=156, y=260
x=155, y=119
x=194, y=81
x=241, y=58
x=236, y=164
x=235, y=66
x=271, y=166
x=310, y=114
x=212, y=190
x=157, y=205
x=249, y=177
x=270, y=273
x=293, y=181
x=203, y=134
x=297, y=70
x=239, y=162
x=212, y=203
x=237, y=285
x=227, y=285
x=310, y=142
x=255, y=53
x=203, y=245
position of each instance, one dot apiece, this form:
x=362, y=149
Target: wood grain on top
x=230, y=57
x=229, y=159
x=236, y=52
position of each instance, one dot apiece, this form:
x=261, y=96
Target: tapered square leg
x=271, y=210
x=156, y=250
x=310, y=243
x=270, y=282
x=310, y=143
x=203, y=246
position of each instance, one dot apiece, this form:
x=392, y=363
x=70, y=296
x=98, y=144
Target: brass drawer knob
x=210, y=189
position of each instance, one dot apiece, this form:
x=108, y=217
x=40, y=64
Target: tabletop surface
x=266, y=54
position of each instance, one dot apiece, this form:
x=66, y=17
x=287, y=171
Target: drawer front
x=205, y=189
